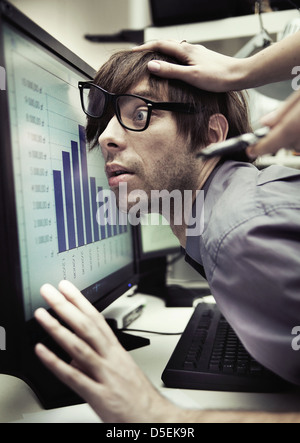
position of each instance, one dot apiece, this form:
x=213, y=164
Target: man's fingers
x=85, y=357
x=83, y=385
x=97, y=334
x=74, y=296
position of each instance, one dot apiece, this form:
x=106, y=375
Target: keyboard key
x=214, y=366
x=189, y=365
x=228, y=368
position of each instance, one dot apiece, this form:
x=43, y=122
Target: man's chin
x=129, y=200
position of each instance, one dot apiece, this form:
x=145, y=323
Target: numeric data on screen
x=57, y=179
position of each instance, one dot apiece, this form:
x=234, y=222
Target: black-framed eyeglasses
x=133, y=112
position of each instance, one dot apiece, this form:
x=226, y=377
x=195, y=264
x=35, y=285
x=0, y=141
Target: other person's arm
x=215, y=72
x=285, y=129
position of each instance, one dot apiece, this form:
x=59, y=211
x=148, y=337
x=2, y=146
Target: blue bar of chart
x=76, y=203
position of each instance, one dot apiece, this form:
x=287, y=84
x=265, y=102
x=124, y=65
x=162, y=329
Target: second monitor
x=157, y=247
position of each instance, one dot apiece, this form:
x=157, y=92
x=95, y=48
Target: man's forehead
x=144, y=89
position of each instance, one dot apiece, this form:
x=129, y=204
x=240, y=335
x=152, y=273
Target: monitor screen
x=52, y=187
x=156, y=238
x=155, y=243
x=56, y=178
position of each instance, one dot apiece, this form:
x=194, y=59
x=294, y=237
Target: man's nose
x=113, y=138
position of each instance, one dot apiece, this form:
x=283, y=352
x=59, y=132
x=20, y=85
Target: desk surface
x=18, y=403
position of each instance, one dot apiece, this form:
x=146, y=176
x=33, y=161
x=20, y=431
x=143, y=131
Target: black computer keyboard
x=210, y=356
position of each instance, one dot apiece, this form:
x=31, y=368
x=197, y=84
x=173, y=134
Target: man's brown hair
x=126, y=69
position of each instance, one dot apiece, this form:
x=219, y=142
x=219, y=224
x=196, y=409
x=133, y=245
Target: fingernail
x=154, y=66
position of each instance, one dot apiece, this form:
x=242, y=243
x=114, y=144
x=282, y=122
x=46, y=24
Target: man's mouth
x=117, y=174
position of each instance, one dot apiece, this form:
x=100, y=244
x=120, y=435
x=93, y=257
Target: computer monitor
x=156, y=248
x=156, y=238
x=49, y=182
x=175, y=12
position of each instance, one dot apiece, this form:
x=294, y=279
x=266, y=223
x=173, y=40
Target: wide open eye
x=133, y=112
x=139, y=117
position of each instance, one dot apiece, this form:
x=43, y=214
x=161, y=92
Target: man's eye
x=141, y=115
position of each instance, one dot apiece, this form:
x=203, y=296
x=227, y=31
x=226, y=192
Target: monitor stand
x=131, y=342
x=153, y=281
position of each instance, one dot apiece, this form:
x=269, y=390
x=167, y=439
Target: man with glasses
x=150, y=131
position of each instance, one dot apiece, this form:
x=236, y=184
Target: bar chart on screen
x=58, y=179
x=76, y=201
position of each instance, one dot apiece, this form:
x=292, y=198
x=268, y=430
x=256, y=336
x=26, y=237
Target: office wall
x=70, y=20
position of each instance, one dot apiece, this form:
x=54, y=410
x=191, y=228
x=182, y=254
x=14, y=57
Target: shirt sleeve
x=256, y=283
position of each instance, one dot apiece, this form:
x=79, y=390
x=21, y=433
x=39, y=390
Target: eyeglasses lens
x=133, y=112
x=94, y=101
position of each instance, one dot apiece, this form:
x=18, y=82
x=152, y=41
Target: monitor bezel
x=11, y=301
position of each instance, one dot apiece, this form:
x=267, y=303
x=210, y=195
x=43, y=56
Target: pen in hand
x=235, y=144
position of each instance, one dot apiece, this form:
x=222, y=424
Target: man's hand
x=102, y=372
x=285, y=129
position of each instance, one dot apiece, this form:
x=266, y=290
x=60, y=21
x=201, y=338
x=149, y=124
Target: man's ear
x=218, y=128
